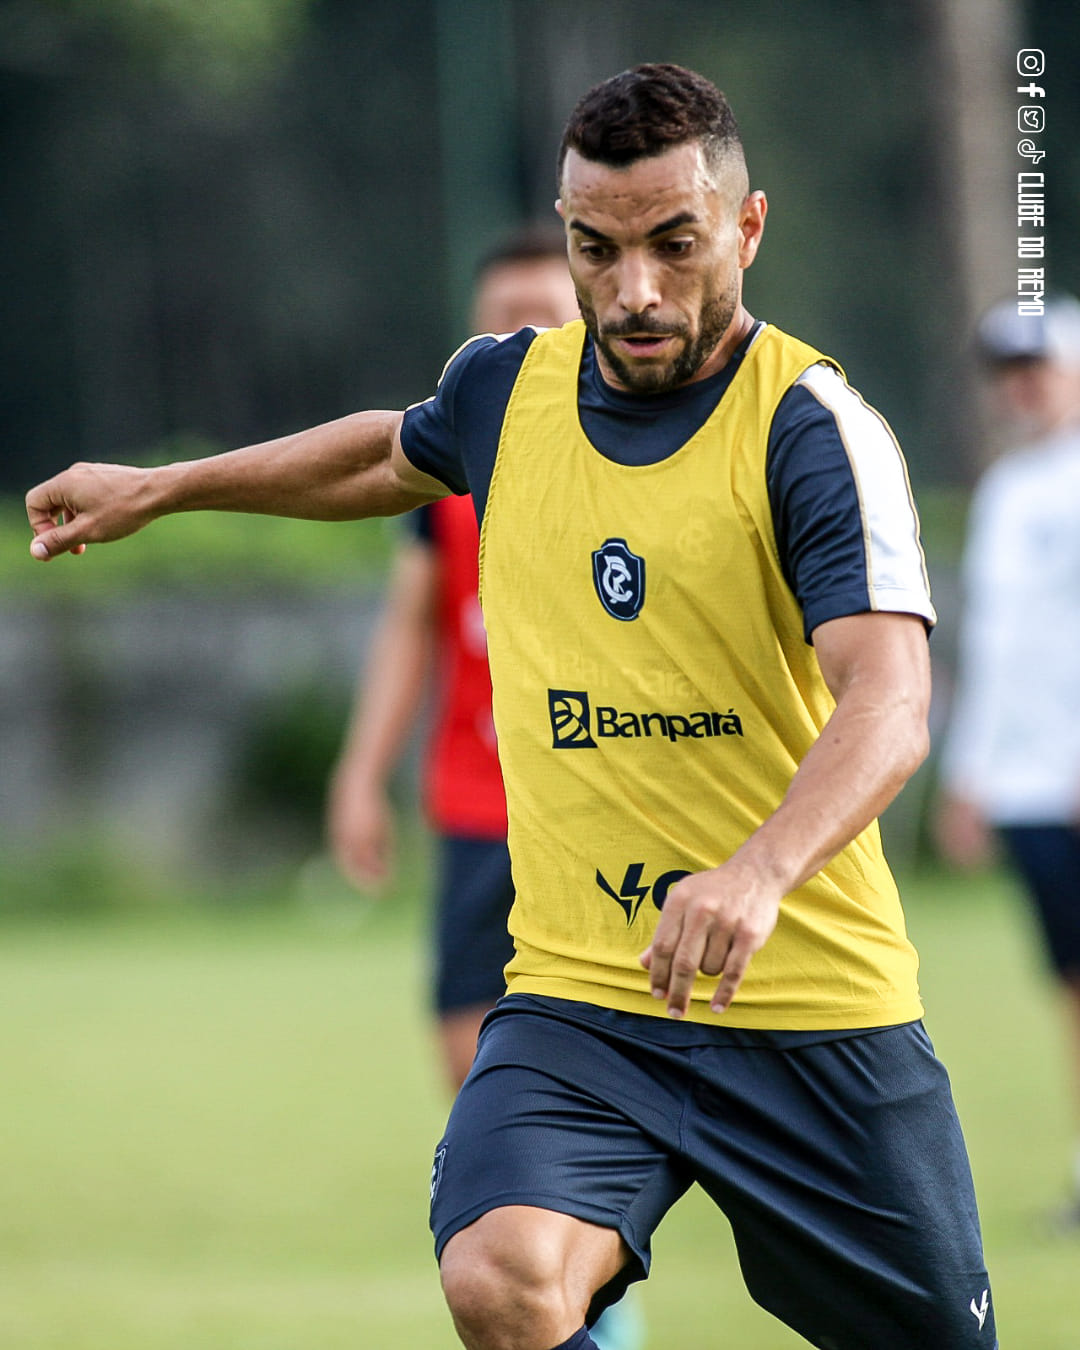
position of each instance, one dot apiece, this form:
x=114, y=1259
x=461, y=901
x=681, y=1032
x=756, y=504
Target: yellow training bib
x=653, y=698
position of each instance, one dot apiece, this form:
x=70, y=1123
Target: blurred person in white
x=1010, y=767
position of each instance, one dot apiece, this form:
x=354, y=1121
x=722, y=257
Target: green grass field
x=217, y=1131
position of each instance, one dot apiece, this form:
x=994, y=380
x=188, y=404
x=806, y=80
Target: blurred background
x=223, y=221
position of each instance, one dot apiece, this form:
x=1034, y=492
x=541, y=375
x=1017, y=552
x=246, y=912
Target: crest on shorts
x=619, y=578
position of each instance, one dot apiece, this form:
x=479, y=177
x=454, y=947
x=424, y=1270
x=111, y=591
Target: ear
x=751, y=226
x=559, y=208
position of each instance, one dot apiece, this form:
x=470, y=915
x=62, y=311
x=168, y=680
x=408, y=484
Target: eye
x=675, y=248
x=594, y=252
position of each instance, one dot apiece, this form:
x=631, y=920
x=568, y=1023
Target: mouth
x=643, y=344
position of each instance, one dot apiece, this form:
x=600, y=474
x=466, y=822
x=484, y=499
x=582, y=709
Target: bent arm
x=386, y=702
x=877, y=667
x=343, y=470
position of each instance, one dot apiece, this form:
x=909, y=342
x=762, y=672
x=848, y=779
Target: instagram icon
x=1030, y=61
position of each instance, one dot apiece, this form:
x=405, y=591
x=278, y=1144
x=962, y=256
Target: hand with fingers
x=86, y=504
x=360, y=830
x=712, y=923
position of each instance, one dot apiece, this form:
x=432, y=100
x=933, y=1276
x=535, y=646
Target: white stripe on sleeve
x=897, y=579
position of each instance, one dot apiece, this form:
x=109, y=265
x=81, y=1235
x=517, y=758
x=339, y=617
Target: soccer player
x=1011, y=762
x=707, y=618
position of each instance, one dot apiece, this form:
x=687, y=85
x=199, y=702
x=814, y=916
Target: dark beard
x=716, y=315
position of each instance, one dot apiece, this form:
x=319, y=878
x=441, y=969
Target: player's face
x=1036, y=397
x=514, y=294
x=657, y=251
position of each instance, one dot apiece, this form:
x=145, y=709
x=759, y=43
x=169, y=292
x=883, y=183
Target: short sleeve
x=429, y=429
x=454, y=435
x=846, y=526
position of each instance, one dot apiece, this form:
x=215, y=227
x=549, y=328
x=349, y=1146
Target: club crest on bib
x=619, y=578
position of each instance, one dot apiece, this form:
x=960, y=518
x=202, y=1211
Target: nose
x=639, y=288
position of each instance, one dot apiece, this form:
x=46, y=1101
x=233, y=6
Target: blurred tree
x=237, y=218
x=475, y=90
x=221, y=245
x=223, y=46
x=973, y=54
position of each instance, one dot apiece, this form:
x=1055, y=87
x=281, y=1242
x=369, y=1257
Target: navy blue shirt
x=819, y=517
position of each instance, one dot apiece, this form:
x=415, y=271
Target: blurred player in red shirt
x=431, y=638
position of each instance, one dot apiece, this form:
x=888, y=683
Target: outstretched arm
x=344, y=470
x=877, y=667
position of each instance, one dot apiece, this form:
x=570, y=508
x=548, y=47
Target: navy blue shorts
x=1048, y=859
x=838, y=1161
x=474, y=893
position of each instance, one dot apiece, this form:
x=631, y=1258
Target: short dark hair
x=646, y=111
x=535, y=242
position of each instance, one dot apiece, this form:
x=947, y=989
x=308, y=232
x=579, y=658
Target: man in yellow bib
x=707, y=614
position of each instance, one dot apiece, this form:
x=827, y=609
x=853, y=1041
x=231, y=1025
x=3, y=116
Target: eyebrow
x=683, y=218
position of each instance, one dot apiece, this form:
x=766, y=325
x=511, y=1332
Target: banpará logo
x=619, y=578
x=633, y=891
x=570, y=719
x=573, y=728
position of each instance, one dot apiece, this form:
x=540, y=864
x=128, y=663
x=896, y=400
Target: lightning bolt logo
x=630, y=894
